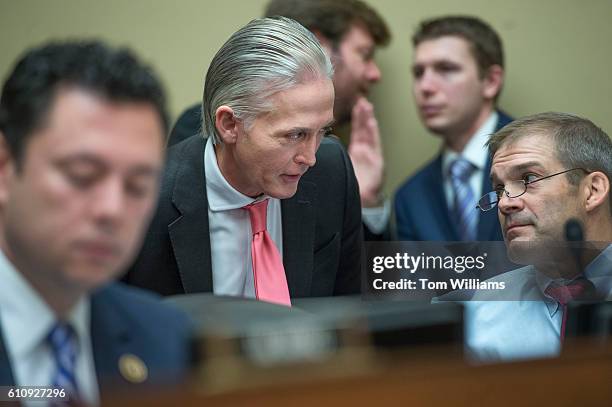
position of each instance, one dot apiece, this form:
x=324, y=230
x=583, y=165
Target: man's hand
x=366, y=153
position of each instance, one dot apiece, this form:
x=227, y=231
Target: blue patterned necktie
x=64, y=345
x=464, y=208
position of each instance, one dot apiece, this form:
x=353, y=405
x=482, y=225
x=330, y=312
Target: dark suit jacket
x=126, y=320
x=190, y=123
x=322, y=239
x=422, y=212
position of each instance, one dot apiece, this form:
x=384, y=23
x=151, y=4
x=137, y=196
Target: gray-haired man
x=269, y=101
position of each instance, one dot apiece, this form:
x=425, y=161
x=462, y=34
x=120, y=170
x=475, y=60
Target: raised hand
x=366, y=152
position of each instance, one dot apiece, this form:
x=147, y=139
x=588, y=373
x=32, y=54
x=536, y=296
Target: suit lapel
x=6, y=372
x=298, y=220
x=502, y=120
x=189, y=234
x=436, y=201
x=488, y=224
x=110, y=336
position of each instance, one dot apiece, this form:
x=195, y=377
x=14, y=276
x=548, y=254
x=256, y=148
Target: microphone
x=575, y=236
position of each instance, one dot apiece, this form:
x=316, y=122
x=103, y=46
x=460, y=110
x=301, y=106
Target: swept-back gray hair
x=266, y=56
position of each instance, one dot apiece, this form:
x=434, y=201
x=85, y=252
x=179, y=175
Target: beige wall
x=558, y=52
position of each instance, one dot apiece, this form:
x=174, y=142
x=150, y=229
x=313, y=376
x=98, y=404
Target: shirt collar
x=28, y=316
x=221, y=195
x=601, y=265
x=475, y=150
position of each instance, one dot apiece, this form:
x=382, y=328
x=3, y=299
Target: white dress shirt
x=477, y=154
x=230, y=231
x=529, y=326
x=377, y=218
x=26, y=321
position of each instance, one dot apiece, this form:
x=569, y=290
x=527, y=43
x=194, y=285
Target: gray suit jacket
x=322, y=235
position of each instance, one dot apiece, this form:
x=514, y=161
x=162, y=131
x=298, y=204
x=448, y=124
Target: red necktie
x=578, y=289
x=268, y=270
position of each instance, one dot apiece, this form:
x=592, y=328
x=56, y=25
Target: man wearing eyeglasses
x=548, y=170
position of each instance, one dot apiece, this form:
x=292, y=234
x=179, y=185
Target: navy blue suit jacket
x=422, y=212
x=127, y=320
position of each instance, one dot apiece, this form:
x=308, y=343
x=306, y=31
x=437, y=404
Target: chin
x=520, y=253
x=282, y=193
x=535, y=251
x=436, y=126
x=88, y=283
x=91, y=276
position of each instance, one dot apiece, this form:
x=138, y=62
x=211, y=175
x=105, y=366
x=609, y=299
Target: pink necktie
x=268, y=270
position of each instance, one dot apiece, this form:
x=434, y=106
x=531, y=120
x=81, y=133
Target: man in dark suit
x=82, y=139
x=458, y=75
x=268, y=101
x=350, y=31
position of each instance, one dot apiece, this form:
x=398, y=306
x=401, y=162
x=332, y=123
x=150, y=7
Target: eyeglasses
x=512, y=189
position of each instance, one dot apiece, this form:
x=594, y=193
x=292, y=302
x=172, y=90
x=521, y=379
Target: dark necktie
x=575, y=290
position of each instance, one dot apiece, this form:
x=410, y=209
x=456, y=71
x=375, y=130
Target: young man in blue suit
x=81, y=150
x=458, y=74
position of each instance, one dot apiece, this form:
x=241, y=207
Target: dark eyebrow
x=522, y=167
x=90, y=159
x=80, y=158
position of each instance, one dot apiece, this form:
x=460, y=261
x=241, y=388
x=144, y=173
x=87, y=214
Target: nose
x=510, y=205
x=108, y=205
x=373, y=73
x=308, y=150
x=426, y=84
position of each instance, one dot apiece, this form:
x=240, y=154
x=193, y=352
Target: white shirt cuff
x=377, y=218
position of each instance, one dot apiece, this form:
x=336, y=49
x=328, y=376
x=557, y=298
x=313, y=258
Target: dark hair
x=485, y=43
x=114, y=74
x=332, y=18
x=578, y=142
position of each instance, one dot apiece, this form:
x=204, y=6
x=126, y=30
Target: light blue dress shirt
x=528, y=326
x=26, y=321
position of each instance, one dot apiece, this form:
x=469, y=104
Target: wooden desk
x=582, y=376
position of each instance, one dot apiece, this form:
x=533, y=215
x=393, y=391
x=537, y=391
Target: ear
x=493, y=81
x=7, y=170
x=227, y=124
x=597, y=190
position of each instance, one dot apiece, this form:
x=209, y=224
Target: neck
x=568, y=261
x=231, y=172
x=457, y=140
x=60, y=297
x=598, y=228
